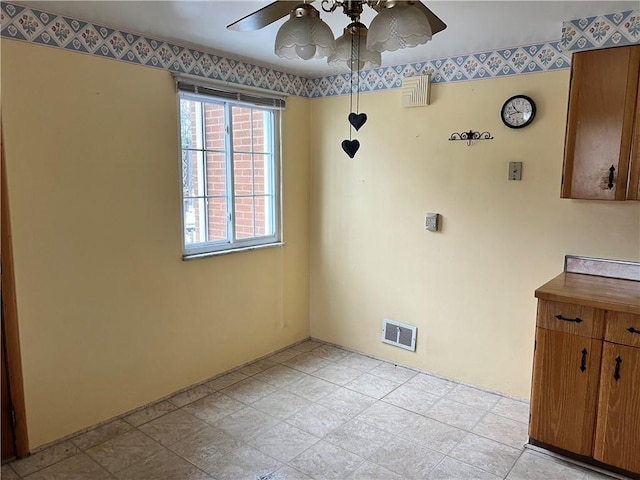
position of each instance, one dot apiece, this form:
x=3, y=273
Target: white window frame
x=231, y=244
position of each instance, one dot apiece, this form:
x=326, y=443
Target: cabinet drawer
x=623, y=328
x=570, y=318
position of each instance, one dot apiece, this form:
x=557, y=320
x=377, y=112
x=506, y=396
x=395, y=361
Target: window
x=229, y=164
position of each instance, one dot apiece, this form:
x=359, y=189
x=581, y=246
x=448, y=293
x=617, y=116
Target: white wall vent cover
x=416, y=91
x=399, y=334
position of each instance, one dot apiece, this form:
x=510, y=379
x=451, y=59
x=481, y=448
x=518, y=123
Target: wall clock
x=518, y=111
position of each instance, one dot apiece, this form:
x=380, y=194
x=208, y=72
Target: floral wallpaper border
x=36, y=26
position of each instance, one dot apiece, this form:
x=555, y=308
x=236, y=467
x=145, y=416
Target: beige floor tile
x=372, y=386
x=411, y=399
x=392, y=372
x=257, y=367
x=311, y=388
x=249, y=390
x=387, y=417
x=434, y=435
x=430, y=384
x=359, y=437
x=121, y=452
x=244, y=463
x=281, y=404
x=78, y=467
x=407, y=459
x=347, y=402
x=455, y=414
x=214, y=407
x=227, y=380
x=163, y=466
x=173, y=427
x=279, y=376
x=191, y=395
x=101, y=434
x=531, y=466
x=325, y=461
x=452, y=469
x=503, y=430
x=330, y=352
x=513, y=409
x=317, y=420
x=371, y=471
x=245, y=423
x=286, y=473
x=359, y=362
x=44, y=458
x=338, y=374
x=283, y=442
x=284, y=355
x=204, y=445
x=307, y=346
x=150, y=413
x=473, y=397
x=7, y=473
x=485, y=454
x=307, y=362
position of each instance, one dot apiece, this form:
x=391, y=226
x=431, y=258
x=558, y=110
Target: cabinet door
x=602, y=101
x=566, y=369
x=617, y=440
x=633, y=189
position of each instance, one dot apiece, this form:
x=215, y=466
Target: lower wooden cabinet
x=617, y=439
x=565, y=390
x=585, y=396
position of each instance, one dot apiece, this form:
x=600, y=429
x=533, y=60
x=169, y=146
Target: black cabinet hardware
x=583, y=363
x=633, y=330
x=616, y=373
x=611, y=172
x=565, y=319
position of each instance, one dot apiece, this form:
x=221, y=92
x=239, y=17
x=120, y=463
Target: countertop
x=593, y=291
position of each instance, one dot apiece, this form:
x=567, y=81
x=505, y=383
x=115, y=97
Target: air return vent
x=399, y=334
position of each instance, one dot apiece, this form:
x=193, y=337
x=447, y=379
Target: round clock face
x=518, y=111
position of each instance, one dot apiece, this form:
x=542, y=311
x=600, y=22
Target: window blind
x=239, y=95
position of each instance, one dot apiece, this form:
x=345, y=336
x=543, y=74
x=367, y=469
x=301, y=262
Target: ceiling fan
x=398, y=24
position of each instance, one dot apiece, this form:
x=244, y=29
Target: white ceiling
x=472, y=26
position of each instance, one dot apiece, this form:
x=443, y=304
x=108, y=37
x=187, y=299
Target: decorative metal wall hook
x=470, y=135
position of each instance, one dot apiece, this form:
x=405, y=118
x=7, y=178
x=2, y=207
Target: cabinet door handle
x=633, y=330
x=583, y=362
x=611, y=172
x=616, y=372
x=565, y=319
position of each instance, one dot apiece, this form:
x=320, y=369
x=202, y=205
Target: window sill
x=195, y=256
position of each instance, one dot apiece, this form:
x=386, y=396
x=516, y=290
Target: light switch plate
x=431, y=222
x=515, y=170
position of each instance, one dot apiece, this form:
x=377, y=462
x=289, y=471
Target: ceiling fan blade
x=437, y=25
x=265, y=16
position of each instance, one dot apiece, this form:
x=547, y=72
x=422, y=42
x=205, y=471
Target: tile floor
x=313, y=411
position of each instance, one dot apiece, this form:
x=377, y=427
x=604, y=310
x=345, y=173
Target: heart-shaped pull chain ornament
x=350, y=147
x=357, y=120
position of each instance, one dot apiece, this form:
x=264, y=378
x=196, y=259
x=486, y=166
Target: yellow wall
x=110, y=316
x=468, y=288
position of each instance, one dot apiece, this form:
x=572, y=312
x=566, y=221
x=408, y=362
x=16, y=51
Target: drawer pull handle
x=583, y=363
x=633, y=330
x=616, y=373
x=611, y=172
x=565, y=319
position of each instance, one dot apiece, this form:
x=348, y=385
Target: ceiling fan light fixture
x=346, y=53
x=304, y=35
x=401, y=26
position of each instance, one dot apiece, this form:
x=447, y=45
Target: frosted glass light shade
x=347, y=46
x=401, y=26
x=304, y=37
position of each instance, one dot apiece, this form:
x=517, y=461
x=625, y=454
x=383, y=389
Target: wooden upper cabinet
x=602, y=145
